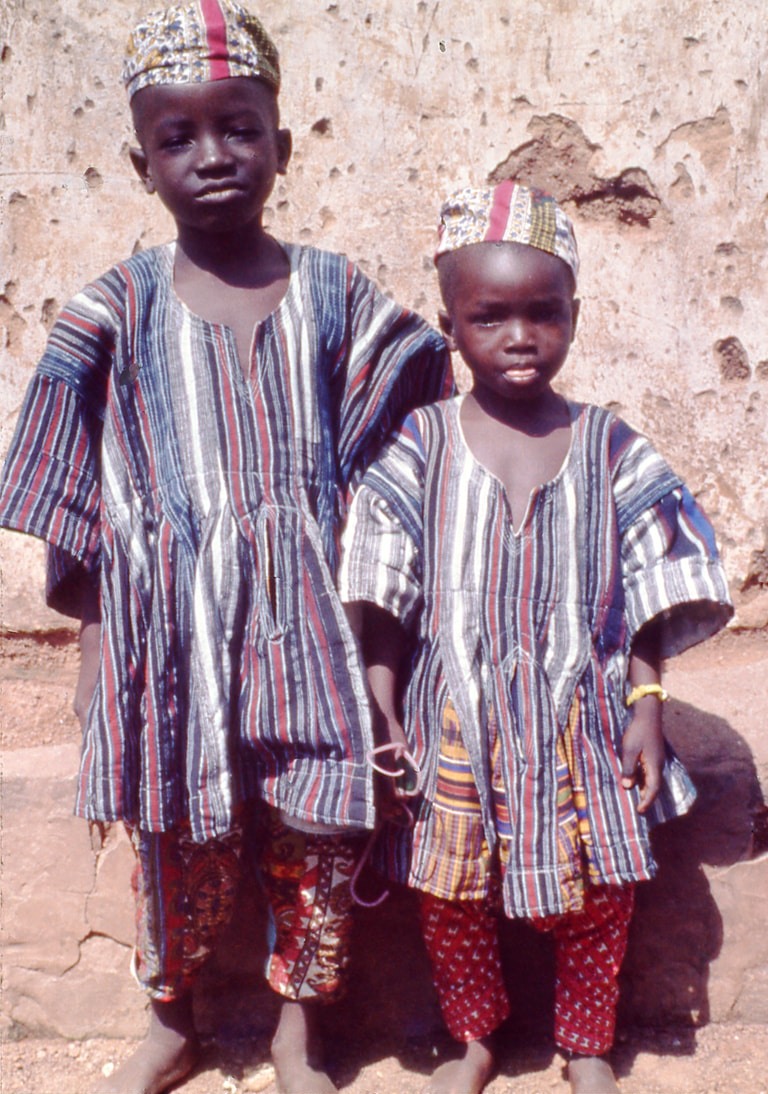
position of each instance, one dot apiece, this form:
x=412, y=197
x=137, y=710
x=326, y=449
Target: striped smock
x=526, y=635
x=208, y=503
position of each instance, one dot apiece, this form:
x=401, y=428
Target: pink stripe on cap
x=498, y=216
x=507, y=213
x=199, y=41
x=216, y=34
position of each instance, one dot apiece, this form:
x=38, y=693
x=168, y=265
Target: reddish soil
x=724, y=1059
x=37, y=680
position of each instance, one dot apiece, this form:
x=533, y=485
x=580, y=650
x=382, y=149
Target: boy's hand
x=90, y=651
x=393, y=789
x=643, y=752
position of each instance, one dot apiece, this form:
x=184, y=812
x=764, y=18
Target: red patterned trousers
x=462, y=942
x=185, y=896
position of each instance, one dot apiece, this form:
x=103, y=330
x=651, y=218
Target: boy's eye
x=178, y=140
x=246, y=133
x=549, y=311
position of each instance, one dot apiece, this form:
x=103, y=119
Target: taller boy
x=186, y=448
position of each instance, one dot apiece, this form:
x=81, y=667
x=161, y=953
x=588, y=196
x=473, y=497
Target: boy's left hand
x=643, y=753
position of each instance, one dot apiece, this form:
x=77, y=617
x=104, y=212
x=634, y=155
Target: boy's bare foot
x=294, y=1053
x=164, y=1057
x=467, y=1075
x=591, y=1075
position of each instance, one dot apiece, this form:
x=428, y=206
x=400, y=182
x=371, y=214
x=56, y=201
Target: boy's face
x=211, y=151
x=511, y=314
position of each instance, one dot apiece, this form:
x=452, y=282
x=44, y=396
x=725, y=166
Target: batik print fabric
x=186, y=891
x=184, y=895
x=206, y=497
x=527, y=628
x=307, y=882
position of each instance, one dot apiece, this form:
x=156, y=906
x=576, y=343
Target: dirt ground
x=729, y=1058
x=725, y=1059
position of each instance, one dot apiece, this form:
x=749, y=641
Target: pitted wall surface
x=648, y=121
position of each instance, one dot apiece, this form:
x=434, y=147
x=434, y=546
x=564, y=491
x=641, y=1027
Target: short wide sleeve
x=383, y=539
x=50, y=483
x=395, y=363
x=671, y=568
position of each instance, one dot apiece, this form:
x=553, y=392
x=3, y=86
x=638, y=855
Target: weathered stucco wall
x=648, y=121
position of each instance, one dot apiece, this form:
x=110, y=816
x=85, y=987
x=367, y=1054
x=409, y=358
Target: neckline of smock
x=574, y=412
x=292, y=252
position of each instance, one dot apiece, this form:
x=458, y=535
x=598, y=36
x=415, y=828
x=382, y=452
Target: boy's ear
x=575, y=310
x=141, y=167
x=284, y=149
x=446, y=326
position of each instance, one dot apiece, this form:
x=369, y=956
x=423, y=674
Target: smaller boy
x=541, y=559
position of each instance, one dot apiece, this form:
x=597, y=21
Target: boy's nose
x=517, y=331
x=213, y=152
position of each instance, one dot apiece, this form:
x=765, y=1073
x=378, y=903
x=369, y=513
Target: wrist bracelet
x=641, y=690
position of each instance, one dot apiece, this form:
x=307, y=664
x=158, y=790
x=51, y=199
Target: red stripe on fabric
x=70, y=488
x=499, y=215
x=215, y=27
x=331, y=692
x=36, y=488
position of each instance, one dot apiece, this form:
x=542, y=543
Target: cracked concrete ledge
x=67, y=921
x=695, y=954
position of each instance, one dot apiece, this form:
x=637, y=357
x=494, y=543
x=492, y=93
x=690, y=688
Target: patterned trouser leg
x=185, y=896
x=307, y=879
x=590, y=947
x=462, y=940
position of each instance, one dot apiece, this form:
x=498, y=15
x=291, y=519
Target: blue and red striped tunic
x=206, y=500
x=529, y=632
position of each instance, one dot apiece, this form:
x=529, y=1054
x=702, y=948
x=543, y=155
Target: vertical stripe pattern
x=207, y=498
x=530, y=627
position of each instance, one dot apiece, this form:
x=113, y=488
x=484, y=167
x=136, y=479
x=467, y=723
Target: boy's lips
x=521, y=372
x=218, y=193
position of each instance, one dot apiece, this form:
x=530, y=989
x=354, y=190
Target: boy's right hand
x=90, y=652
x=392, y=790
x=643, y=753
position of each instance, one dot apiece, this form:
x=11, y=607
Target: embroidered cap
x=198, y=42
x=507, y=213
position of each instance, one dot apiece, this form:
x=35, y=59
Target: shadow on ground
x=391, y=1010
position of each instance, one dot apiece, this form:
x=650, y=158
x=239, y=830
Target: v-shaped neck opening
x=536, y=491
x=292, y=253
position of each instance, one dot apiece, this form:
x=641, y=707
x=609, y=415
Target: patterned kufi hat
x=507, y=213
x=198, y=42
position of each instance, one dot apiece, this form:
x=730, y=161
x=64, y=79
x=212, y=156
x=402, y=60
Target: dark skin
x=211, y=152
x=510, y=312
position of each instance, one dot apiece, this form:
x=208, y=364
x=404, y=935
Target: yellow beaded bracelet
x=641, y=690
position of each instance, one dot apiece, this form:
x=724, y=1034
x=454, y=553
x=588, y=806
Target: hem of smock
x=290, y=792
x=199, y=833
x=688, y=596
x=528, y=912
x=68, y=536
x=202, y=827
x=553, y=878
x=558, y=908
x=110, y=816
x=351, y=807
x=209, y=831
